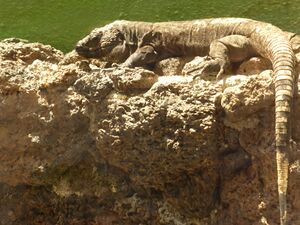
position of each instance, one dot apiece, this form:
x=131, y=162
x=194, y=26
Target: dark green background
x=61, y=23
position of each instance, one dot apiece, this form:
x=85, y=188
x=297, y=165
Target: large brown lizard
x=225, y=40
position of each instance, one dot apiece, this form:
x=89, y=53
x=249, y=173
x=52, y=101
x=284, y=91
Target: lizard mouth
x=88, y=52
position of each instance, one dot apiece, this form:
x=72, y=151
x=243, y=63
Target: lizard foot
x=209, y=67
x=124, y=65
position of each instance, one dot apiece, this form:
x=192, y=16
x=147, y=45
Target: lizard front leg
x=142, y=56
x=146, y=53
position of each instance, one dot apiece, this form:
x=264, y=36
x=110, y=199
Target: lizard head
x=106, y=43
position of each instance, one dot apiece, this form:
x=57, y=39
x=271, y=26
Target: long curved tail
x=283, y=64
x=282, y=57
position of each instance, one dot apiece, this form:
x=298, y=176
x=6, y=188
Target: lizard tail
x=273, y=43
x=277, y=48
x=282, y=180
x=283, y=60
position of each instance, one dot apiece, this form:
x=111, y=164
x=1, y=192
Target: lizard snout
x=81, y=49
x=87, y=52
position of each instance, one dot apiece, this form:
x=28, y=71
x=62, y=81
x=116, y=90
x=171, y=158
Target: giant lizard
x=225, y=40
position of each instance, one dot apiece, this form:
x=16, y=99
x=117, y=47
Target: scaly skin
x=140, y=43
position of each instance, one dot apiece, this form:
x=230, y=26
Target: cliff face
x=85, y=144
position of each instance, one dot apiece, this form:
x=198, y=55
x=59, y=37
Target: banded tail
x=274, y=44
x=283, y=59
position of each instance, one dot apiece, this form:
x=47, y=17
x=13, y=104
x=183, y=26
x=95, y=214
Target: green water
x=62, y=23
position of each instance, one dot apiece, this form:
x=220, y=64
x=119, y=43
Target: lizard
x=140, y=43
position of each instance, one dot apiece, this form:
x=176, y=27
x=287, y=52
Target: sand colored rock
x=81, y=143
x=254, y=66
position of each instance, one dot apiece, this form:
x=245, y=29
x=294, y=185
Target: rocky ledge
x=85, y=143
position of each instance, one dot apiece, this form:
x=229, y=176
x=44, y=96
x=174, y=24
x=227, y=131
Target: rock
x=83, y=144
x=93, y=86
x=238, y=103
x=298, y=58
x=298, y=63
x=71, y=57
x=170, y=66
x=254, y=65
x=87, y=64
x=16, y=49
x=130, y=80
x=232, y=81
x=193, y=68
x=14, y=40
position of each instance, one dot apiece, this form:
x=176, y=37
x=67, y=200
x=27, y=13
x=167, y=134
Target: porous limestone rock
x=254, y=66
x=128, y=80
x=191, y=68
x=15, y=49
x=194, y=68
x=170, y=66
x=84, y=144
x=239, y=104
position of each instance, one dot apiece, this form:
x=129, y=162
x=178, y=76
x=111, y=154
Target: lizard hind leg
x=217, y=61
x=222, y=52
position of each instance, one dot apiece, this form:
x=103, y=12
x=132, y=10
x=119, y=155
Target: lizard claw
x=115, y=65
x=209, y=67
x=127, y=64
x=122, y=65
x=220, y=74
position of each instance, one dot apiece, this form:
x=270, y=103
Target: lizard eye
x=94, y=41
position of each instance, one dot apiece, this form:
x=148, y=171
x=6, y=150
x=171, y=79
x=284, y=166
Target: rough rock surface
x=254, y=66
x=170, y=66
x=83, y=144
